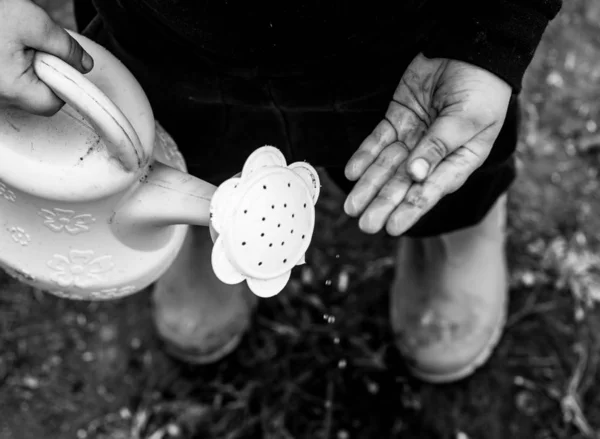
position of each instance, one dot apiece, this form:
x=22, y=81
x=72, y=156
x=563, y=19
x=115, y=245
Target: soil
x=319, y=361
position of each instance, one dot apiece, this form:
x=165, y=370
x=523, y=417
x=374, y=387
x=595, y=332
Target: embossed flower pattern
x=19, y=235
x=81, y=268
x=67, y=295
x=6, y=193
x=58, y=220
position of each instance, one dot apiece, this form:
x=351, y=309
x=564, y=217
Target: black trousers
x=218, y=114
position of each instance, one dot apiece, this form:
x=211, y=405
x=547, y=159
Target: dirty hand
x=24, y=29
x=439, y=127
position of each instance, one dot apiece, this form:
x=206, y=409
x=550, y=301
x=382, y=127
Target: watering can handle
x=110, y=123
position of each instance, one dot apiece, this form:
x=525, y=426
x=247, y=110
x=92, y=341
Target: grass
x=319, y=361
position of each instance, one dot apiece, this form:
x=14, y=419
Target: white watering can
x=95, y=201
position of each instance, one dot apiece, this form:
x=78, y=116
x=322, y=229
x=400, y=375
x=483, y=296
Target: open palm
x=439, y=127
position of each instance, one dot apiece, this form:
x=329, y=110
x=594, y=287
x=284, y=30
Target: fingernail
x=349, y=206
x=87, y=62
x=419, y=169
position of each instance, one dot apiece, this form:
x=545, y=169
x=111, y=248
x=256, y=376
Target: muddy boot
x=449, y=298
x=199, y=318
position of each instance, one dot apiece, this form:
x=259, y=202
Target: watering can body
x=60, y=186
x=95, y=201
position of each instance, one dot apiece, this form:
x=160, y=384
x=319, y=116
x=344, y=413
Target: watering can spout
x=164, y=197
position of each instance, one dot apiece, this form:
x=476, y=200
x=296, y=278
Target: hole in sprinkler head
x=285, y=205
x=305, y=205
x=244, y=243
x=289, y=185
x=262, y=234
x=302, y=236
x=278, y=225
x=293, y=215
x=264, y=186
x=282, y=242
x=271, y=244
x=259, y=264
x=263, y=218
x=245, y=211
x=284, y=261
x=292, y=231
x=272, y=206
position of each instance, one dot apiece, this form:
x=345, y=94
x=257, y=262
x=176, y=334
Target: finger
x=449, y=175
x=45, y=35
x=383, y=135
x=388, y=198
x=400, y=123
x=36, y=98
x=382, y=169
x=446, y=135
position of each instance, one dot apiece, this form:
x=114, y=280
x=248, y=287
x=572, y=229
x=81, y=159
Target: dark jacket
x=275, y=37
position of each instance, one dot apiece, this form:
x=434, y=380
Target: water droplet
x=308, y=276
x=328, y=404
x=337, y=256
x=343, y=281
x=343, y=434
x=373, y=388
x=336, y=340
x=329, y=318
x=328, y=282
x=342, y=363
x=125, y=413
x=174, y=430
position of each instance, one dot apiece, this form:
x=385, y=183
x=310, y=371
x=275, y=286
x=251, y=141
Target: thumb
x=46, y=36
x=444, y=136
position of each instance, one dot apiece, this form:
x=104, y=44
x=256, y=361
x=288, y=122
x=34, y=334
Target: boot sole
x=478, y=361
x=187, y=355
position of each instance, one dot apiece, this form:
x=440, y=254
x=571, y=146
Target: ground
x=319, y=361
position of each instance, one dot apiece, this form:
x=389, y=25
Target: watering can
x=95, y=201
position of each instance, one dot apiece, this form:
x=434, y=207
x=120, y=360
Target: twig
x=571, y=402
x=530, y=309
